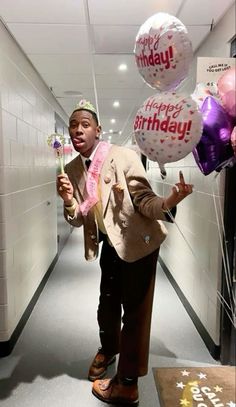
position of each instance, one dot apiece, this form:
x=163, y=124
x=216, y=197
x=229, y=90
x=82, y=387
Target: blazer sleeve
x=76, y=219
x=143, y=197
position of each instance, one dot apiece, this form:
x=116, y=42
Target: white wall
x=198, y=274
x=28, y=225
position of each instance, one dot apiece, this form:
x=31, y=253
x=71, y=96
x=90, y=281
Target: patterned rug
x=196, y=386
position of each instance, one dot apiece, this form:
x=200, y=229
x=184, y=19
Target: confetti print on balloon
x=168, y=127
x=163, y=51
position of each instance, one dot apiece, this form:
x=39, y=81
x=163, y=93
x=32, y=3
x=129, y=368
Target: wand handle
x=61, y=165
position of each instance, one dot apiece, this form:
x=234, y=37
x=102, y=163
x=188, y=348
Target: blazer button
x=93, y=237
x=147, y=239
x=107, y=180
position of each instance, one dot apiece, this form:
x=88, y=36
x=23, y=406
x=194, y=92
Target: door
x=228, y=336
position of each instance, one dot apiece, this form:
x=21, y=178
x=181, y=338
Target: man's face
x=84, y=132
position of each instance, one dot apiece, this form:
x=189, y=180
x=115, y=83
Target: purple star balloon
x=214, y=150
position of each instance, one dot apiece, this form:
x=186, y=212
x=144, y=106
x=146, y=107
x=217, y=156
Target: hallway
x=49, y=364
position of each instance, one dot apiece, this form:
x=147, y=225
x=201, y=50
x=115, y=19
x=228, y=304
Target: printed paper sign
x=209, y=70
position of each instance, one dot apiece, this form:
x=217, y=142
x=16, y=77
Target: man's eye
x=85, y=124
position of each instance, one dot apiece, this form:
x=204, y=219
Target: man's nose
x=79, y=129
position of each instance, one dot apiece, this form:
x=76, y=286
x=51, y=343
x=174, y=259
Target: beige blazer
x=132, y=212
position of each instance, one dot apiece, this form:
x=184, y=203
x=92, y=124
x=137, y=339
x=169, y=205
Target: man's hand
x=65, y=189
x=179, y=192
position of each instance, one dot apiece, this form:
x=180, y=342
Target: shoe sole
x=116, y=401
x=93, y=378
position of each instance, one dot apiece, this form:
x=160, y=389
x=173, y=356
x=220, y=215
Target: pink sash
x=93, y=177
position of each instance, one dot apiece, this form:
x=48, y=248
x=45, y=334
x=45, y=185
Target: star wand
x=56, y=141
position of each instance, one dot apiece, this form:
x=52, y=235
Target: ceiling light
x=109, y=137
x=110, y=131
x=120, y=132
x=73, y=93
x=113, y=120
x=122, y=67
x=116, y=103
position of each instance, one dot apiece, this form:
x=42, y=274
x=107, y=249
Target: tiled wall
x=192, y=250
x=196, y=265
x=28, y=220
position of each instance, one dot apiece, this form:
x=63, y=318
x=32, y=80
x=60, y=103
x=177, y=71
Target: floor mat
x=196, y=386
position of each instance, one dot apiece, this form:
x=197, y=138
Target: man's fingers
x=181, y=178
x=175, y=189
x=190, y=188
x=65, y=187
x=63, y=182
x=61, y=176
x=183, y=188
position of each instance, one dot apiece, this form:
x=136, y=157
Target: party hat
x=85, y=105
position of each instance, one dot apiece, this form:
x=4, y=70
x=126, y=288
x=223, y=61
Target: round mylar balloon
x=163, y=51
x=201, y=92
x=167, y=127
x=227, y=91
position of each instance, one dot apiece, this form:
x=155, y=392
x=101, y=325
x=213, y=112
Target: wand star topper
x=56, y=141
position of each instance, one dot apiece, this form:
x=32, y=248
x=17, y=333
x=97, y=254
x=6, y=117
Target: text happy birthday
x=165, y=123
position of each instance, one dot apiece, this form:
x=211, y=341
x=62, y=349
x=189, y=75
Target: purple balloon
x=214, y=150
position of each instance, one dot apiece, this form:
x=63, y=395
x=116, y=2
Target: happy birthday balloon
x=214, y=151
x=163, y=51
x=167, y=127
x=227, y=91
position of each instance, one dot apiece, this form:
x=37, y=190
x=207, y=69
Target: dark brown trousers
x=125, y=309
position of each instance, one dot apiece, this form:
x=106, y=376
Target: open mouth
x=78, y=142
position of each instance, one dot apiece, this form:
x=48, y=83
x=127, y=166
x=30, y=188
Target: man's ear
x=99, y=129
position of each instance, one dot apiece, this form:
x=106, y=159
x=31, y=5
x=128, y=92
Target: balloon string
x=224, y=234
x=219, y=295
x=226, y=304
x=224, y=248
x=231, y=318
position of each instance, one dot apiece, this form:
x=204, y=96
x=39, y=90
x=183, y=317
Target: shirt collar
x=88, y=158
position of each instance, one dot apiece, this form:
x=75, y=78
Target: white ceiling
x=77, y=45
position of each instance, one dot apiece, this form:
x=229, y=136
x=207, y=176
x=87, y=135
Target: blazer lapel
x=80, y=177
x=107, y=180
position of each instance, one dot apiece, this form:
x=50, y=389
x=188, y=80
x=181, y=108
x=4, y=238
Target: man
x=114, y=202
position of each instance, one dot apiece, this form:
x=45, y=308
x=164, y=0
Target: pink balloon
x=227, y=91
x=68, y=149
x=233, y=140
x=167, y=127
x=163, y=51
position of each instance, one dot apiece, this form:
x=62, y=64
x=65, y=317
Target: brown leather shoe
x=99, y=365
x=114, y=392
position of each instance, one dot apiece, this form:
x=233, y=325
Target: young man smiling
x=105, y=190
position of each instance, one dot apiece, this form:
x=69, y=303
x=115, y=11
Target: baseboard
x=210, y=344
x=7, y=346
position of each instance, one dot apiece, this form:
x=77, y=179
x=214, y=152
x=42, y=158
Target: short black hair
x=90, y=111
